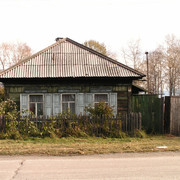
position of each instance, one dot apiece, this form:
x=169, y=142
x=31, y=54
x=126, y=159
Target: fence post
x=139, y=120
x=3, y=124
x=126, y=121
x=132, y=119
x=162, y=113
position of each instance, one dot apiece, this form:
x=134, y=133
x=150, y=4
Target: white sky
x=114, y=22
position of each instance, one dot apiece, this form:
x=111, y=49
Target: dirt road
x=112, y=166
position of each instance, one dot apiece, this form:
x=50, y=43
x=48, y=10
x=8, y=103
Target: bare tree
x=172, y=62
x=5, y=55
x=21, y=51
x=133, y=57
x=132, y=54
x=156, y=71
x=164, y=65
x=11, y=53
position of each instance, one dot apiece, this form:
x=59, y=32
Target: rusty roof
x=67, y=58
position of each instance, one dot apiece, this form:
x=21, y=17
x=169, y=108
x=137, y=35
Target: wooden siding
x=13, y=91
x=150, y=107
x=172, y=115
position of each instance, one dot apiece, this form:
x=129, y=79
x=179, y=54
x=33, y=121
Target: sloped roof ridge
x=79, y=45
x=104, y=56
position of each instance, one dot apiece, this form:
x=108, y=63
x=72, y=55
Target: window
x=36, y=105
x=68, y=102
x=100, y=97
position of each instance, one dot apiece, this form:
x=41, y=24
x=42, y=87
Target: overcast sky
x=114, y=22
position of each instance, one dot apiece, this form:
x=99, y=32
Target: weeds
x=13, y=126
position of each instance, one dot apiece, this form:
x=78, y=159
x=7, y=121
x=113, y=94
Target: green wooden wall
x=13, y=91
x=150, y=107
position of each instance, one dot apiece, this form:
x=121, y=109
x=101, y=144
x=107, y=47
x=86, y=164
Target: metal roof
x=67, y=58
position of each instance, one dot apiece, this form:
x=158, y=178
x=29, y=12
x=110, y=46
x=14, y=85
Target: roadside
x=92, y=156
x=88, y=146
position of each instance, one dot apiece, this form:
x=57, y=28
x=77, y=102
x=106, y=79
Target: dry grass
x=84, y=146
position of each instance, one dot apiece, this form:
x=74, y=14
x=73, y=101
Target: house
x=69, y=75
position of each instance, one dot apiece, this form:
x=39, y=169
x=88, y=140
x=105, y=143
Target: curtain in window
x=68, y=97
x=36, y=98
x=100, y=97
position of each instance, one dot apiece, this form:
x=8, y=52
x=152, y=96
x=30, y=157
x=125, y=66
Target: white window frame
x=96, y=102
x=34, y=94
x=68, y=101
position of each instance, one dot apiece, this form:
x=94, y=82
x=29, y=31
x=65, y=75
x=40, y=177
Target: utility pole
x=147, y=71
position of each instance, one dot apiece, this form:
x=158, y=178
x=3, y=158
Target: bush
x=1, y=93
x=140, y=133
x=8, y=109
x=100, y=110
x=64, y=125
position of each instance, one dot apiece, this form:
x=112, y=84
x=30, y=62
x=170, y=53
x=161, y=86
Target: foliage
x=66, y=115
x=13, y=131
x=99, y=47
x=8, y=109
x=66, y=124
x=28, y=128
x=48, y=128
x=140, y=134
x=1, y=93
x=100, y=110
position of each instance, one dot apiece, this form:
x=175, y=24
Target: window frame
x=68, y=101
x=97, y=102
x=34, y=94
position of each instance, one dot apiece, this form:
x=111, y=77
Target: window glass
x=68, y=97
x=39, y=109
x=101, y=97
x=32, y=108
x=36, y=105
x=64, y=106
x=36, y=98
x=72, y=108
x=68, y=102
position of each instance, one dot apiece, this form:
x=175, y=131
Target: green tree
x=95, y=45
x=100, y=47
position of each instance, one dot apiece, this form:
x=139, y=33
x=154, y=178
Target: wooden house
x=69, y=75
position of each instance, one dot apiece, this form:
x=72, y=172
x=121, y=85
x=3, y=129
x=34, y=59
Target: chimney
x=58, y=38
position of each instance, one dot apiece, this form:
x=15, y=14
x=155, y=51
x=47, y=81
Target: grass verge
x=88, y=145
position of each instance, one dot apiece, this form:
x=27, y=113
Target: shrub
x=140, y=133
x=100, y=110
x=1, y=93
x=8, y=109
x=28, y=128
x=12, y=131
x=48, y=129
x=64, y=125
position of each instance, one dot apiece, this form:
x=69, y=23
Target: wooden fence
x=172, y=115
x=92, y=126
x=151, y=108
